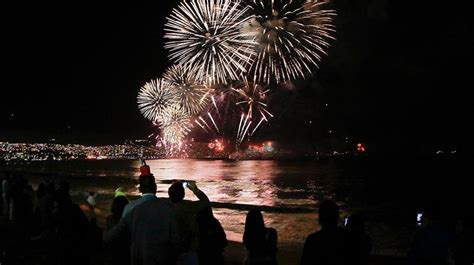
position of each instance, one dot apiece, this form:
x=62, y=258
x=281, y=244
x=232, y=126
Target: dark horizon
x=394, y=77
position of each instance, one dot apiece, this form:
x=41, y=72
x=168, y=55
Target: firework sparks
x=202, y=126
x=207, y=34
x=247, y=122
x=240, y=126
x=207, y=125
x=154, y=97
x=244, y=126
x=172, y=115
x=213, y=121
x=175, y=125
x=192, y=94
x=293, y=36
x=254, y=97
x=256, y=127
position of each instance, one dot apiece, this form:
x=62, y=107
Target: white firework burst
x=154, y=97
x=175, y=121
x=293, y=36
x=192, y=94
x=209, y=35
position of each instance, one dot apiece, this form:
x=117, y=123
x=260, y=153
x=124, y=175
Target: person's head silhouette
x=147, y=184
x=176, y=192
x=328, y=213
x=254, y=221
x=118, y=205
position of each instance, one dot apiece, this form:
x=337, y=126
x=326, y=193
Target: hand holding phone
x=191, y=184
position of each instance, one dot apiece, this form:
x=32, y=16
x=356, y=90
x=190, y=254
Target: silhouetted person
x=94, y=232
x=45, y=237
x=46, y=205
x=71, y=228
x=118, y=205
x=2, y=179
x=358, y=243
x=21, y=202
x=151, y=226
x=40, y=192
x=6, y=196
x=186, y=213
x=119, y=250
x=327, y=245
x=463, y=251
x=212, y=238
x=260, y=242
x=148, y=194
x=431, y=242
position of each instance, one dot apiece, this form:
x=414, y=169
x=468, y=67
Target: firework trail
x=208, y=35
x=192, y=94
x=154, y=97
x=293, y=36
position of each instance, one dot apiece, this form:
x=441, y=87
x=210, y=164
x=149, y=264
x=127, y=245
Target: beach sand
x=235, y=251
x=289, y=254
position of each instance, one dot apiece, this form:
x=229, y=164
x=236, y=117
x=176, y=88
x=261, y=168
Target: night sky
x=397, y=77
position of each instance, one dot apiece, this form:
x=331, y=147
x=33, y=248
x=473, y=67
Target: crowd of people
x=46, y=227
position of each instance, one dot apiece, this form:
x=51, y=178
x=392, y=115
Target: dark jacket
x=325, y=247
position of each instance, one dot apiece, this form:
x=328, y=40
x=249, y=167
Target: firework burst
x=208, y=35
x=154, y=97
x=175, y=126
x=253, y=97
x=174, y=116
x=192, y=94
x=293, y=36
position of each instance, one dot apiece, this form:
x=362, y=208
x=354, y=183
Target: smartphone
x=419, y=218
x=346, y=220
x=185, y=184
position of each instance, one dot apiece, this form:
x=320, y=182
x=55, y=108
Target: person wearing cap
x=146, y=186
x=150, y=223
x=120, y=192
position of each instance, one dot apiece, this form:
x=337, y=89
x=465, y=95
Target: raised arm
x=203, y=199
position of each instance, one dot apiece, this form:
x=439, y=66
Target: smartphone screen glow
x=419, y=216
